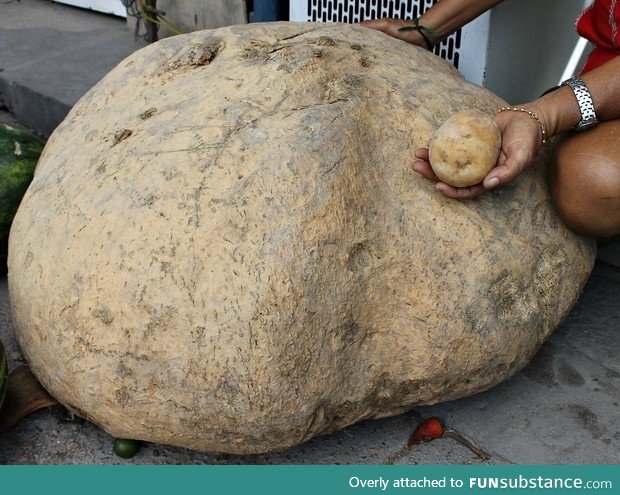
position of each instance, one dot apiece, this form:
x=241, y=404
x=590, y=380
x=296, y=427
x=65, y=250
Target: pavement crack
x=296, y=35
x=454, y=435
x=589, y=358
x=399, y=454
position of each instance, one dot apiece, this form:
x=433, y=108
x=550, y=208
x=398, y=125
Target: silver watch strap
x=584, y=100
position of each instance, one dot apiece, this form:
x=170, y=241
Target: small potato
x=465, y=148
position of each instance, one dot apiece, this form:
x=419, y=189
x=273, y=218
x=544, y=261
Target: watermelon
x=3, y=374
x=19, y=154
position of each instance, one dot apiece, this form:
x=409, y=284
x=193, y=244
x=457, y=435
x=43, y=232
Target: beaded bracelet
x=531, y=114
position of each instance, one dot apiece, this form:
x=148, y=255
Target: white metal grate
x=450, y=49
x=359, y=10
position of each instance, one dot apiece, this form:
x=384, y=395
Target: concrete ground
x=562, y=408
x=51, y=54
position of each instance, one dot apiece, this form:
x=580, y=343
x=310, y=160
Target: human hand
x=392, y=27
x=521, y=139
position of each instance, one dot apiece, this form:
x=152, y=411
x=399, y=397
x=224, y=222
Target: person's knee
x=586, y=189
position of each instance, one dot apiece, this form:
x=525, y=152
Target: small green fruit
x=125, y=448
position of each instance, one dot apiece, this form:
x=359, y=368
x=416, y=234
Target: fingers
x=507, y=169
x=392, y=27
x=423, y=167
x=421, y=153
x=425, y=170
x=385, y=25
x=373, y=23
x=460, y=192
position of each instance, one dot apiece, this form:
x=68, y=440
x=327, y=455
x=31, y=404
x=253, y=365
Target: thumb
x=505, y=172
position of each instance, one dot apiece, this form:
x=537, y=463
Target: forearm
x=560, y=111
x=446, y=16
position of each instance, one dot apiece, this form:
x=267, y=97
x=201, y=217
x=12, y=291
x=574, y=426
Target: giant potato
x=224, y=246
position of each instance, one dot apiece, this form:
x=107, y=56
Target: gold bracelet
x=531, y=114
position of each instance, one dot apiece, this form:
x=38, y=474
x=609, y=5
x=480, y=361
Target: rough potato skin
x=465, y=148
x=224, y=246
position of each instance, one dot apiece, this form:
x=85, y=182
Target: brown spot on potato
x=359, y=257
x=463, y=163
x=121, y=136
x=103, y=314
x=122, y=397
x=325, y=41
x=148, y=113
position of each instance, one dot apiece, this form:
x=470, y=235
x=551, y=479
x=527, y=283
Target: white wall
x=530, y=43
x=194, y=15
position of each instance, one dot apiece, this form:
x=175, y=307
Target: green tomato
x=125, y=448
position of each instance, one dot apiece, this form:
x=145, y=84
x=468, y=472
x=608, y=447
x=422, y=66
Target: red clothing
x=599, y=25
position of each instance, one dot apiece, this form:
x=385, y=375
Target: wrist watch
x=586, y=105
